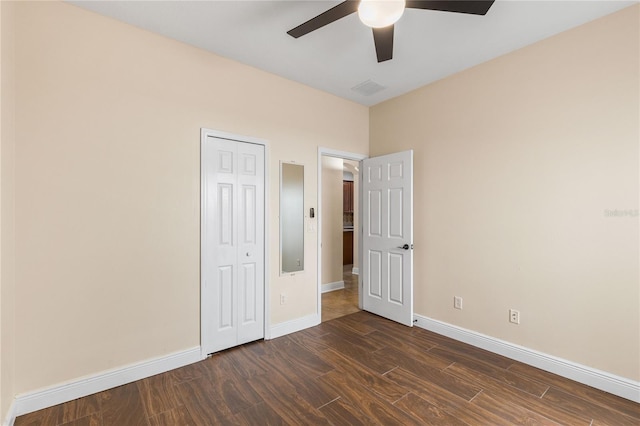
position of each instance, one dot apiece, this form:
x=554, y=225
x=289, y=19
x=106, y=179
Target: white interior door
x=387, y=236
x=232, y=246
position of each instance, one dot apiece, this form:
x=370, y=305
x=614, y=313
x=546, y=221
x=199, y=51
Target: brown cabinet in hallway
x=347, y=202
x=347, y=248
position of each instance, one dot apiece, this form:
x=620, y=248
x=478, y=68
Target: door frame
x=204, y=134
x=345, y=156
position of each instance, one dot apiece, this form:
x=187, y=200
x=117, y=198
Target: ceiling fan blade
x=383, y=39
x=475, y=7
x=340, y=11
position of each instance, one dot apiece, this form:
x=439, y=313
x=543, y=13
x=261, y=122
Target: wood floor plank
x=435, y=338
x=123, y=406
x=374, y=407
x=496, y=373
x=409, y=351
x=311, y=341
x=357, y=347
x=575, y=404
x=259, y=414
x=343, y=333
x=596, y=396
x=285, y=401
x=375, y=361
x=232, y=389
x=94, y=419
x=307, y=386
x=597, y=422
x=509, y=395
x=48, y=417
x=175, y=417
x=426, y=412
x=340, y=412
x=398, y=334
x=434, y=374
x=246, y=361
x=356, y=324
x=459, y=407
x=80, y=408
x=368, y=378
x=302, y=357
x=511, y=411
x=158, y=394
x=464, y=349
x=236, y=393
x=203, y=403
x=62, y=413
x=316, y=331
x=218, y=365
x=188, y=372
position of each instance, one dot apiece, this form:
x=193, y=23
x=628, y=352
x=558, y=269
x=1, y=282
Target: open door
x=387, y=236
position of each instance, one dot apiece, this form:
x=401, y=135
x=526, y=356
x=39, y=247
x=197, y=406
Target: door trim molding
x=345, y=156
x=598, y=379
x=204, y=134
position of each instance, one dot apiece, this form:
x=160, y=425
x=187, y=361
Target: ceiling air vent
x=367, y=88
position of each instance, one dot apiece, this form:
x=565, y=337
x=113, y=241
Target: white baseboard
x=87, y=385
x=11, y=415
x=292, y=326
x=355, y=271
x=598, y=379
x=326, y=288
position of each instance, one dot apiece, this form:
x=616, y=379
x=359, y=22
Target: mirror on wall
x=291, y=218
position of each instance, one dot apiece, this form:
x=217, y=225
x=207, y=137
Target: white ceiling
x=428, y=45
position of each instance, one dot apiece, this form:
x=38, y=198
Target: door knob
x=404, y=247
x=248, y=254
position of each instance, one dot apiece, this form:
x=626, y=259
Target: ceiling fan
x=381, y=15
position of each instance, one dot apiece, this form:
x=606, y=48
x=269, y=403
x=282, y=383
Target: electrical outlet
x=514, y=316
x=457, y=302
x=283, y=298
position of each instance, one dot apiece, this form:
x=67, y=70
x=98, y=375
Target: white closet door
x=232, y=243
x=250, y=242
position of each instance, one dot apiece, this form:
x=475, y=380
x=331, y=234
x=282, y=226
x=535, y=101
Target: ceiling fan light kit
x=381, y=15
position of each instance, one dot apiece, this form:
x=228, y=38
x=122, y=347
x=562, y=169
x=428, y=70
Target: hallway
x=338, y=303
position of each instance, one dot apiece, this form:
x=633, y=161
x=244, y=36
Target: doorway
x=338, y=242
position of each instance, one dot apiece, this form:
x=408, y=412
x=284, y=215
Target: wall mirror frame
x=292, y=217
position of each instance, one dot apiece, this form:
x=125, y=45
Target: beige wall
x=107, y=186
x=331, y=217
x=516, y=162
x=7, y=221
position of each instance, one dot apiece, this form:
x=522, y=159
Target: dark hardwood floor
x=357, y=369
